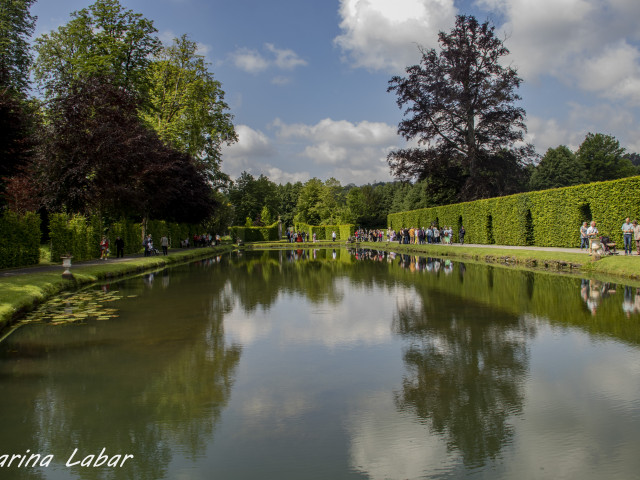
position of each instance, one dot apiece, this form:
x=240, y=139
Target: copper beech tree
x=460, y=105
x=97, y=157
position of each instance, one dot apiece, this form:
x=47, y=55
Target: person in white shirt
x=592, y=234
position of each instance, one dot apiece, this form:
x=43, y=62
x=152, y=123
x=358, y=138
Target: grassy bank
x=615, y=266
x=20, y=293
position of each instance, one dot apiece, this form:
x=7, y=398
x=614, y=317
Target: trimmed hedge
x=76, y=235
x=175, y=232
x=325, y=232
x=255, y=234
x=547, y=218
x=130, y=232
x=80, y=236
x=20, y=239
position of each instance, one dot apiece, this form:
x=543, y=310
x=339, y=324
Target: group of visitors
x=105, y=250
x=630, y=234
x=594, y=291
x=362, y=235
x=430, y=235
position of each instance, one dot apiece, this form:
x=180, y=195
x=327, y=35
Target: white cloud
x=588, y=44
x=276, y=175
x=382, y=35
x=355, y=152
x=285, y=59
x=252, y=148
x=571, y=129
x=252, y=61
x=249, y=60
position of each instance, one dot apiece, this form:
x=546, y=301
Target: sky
x=306, y=80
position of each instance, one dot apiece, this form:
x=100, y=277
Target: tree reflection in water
x=137, y=387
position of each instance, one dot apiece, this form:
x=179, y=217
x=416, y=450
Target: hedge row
x=325, y=232
x=549, y=218
x=20, y=244
x=80, y=236
x=255, y=234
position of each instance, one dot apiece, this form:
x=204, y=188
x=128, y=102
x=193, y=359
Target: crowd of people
x=432, y=234
x=591, y=239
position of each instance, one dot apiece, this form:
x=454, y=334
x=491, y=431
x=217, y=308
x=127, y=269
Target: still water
x=327, y=365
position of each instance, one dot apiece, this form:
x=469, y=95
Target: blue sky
x=306, y=79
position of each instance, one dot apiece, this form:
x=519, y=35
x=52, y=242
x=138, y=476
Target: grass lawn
x=20, y=293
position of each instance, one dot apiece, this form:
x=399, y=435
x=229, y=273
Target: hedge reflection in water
x=168, y=375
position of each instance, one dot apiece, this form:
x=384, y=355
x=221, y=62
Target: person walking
x=592, y=234
x=584, y=240
x=164, y=242
x=104, y=248
x=119, y=247
x=461, y=233
x=636, y=235
x=627, y=234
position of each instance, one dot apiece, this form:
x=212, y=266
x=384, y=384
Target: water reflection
x=130, y=386
x=465, y=371
x=311, y=363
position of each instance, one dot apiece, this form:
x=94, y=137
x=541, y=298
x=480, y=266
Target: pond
x=326, y=364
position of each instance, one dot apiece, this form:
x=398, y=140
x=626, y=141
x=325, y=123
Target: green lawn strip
x=614, y=266
x=21, y=293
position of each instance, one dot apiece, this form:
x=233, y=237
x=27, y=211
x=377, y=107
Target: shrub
x=19, y=239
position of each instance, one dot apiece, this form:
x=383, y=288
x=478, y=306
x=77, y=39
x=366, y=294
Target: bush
x=19, y=239
x=549, y=218
x=325, y=232
x=255, y=234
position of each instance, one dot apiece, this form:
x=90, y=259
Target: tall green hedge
x=175, y=232
x=549, y=218
x=76, y=235
x=19, y=239
x=80, y=236
x=130, y=232
x=325, y=232
x=255, y=234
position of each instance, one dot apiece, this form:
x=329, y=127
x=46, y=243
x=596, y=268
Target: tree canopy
x=103, y=39
x=16, y=27
x=603, y=158
x=97, y=156
x=459, y=104
x=187, y=106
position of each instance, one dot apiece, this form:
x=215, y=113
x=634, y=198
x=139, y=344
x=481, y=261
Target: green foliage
x=603, y=158
x=558, y=168
x=188, y=108
x=80, y=236
x=130, y=232
x=549, y=218
x=103, y=39
x=19, y=239
x=255, y=234
x=325, y=232
x=249, y=195
x=76, y=235
x=16, y=26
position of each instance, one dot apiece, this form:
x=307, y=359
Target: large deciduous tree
x=460, y=107
x=17, y=115
x=16, y=26
x=558, y=168
x=187, y=105
x=98, y=157
x=603, y=158
x=102, y=40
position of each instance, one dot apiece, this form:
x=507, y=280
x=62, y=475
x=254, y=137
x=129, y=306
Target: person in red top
x=104, y=247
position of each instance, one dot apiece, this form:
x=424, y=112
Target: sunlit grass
x=21, y=293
